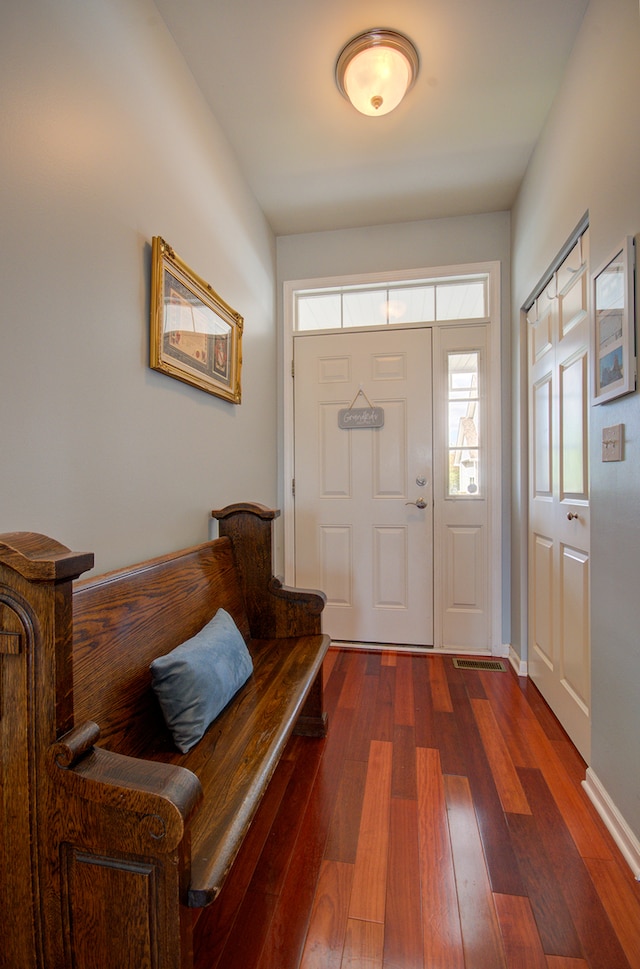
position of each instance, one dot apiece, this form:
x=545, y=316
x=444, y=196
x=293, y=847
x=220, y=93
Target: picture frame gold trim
x=194, y=335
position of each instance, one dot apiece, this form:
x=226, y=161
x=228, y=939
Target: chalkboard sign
x=352, y=417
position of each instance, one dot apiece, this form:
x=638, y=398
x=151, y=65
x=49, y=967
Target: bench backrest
x=125, y=619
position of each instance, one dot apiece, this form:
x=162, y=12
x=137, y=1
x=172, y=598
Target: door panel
x=575, y=624
x=542, y=595
x=390, y=457
x=573, y=409
x=336, y=564
x=464, y=548
x=335, y=455
x=390, y=562
x=542, y=436
x=355, y=535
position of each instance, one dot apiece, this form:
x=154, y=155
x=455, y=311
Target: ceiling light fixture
x=376, y=69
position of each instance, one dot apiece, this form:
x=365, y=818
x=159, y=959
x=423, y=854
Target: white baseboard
x=618, y=828
x=519, y=665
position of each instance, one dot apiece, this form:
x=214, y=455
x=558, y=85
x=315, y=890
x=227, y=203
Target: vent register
x=479, y=664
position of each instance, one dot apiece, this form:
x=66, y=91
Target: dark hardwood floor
x=441, y=825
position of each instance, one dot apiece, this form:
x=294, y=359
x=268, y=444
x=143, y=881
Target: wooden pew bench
x=125, y=834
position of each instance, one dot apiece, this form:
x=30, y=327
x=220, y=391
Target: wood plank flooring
x=441, y=825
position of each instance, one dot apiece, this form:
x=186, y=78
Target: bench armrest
x=311, y=600
x=272, y=609
x=116, y=848
x=138, y=806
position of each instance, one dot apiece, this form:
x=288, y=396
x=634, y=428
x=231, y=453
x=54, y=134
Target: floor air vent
x=479, y=664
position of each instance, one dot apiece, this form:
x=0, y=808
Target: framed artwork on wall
x=195, y=336
x=613, y=300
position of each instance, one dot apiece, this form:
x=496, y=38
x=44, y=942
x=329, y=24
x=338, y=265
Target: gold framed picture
x=195, y=336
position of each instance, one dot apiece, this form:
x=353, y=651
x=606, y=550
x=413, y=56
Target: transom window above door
x=415, y=301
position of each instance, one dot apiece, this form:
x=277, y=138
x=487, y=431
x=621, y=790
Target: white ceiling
x=458, y=144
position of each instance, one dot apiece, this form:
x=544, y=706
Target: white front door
x=363, y=495
x=559, y=516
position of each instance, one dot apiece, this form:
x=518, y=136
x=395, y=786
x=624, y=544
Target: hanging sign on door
x=351, y=417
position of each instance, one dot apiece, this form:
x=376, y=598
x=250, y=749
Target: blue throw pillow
x=196, y=680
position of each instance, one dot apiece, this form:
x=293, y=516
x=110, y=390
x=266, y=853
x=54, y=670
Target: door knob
x=572, y=515
x=420, y=503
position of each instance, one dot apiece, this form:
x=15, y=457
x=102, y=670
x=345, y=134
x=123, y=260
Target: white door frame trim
x=493, y=270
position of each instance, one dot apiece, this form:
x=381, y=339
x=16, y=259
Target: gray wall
x=105, y=143
x=416, y=245
x=588, y=159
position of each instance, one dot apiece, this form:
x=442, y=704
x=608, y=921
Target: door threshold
x=382, y=647
x=408, y=648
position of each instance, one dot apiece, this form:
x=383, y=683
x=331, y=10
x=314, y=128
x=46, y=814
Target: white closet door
x=559, y=513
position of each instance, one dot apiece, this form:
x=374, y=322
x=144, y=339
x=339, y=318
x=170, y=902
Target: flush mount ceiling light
x=376, y=69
